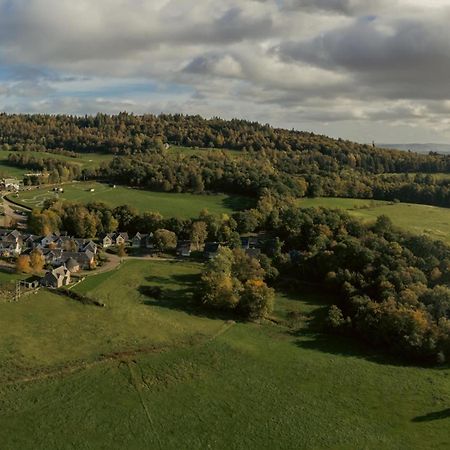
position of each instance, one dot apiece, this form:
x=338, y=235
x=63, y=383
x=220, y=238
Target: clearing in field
x=432, y=221
x=159, y=373
x=168, y=204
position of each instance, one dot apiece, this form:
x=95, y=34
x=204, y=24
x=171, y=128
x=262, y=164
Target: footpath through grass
x=432, y=221
x=168, y=204
x=207, y=383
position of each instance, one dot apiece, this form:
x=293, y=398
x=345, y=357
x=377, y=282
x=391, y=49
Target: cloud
x=346, y=7
x=319, y=64
x=402, y=59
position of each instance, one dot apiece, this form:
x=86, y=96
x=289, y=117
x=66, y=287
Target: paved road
x=9, y=209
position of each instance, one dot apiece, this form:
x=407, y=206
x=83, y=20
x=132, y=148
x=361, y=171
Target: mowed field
x=168, y=204
x=144, y=373
x=420, y=219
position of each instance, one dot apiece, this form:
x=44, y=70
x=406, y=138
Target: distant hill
x=419, y=148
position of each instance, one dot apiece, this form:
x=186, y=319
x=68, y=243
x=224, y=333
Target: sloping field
x=146, y=373
x=168, y=204
x=421, y=219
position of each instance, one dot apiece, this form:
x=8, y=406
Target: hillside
x=129, y=134
x=152, y=374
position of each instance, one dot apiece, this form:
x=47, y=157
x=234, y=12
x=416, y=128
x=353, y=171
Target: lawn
x=168, y=204
x=202, y=382
x=420, y=219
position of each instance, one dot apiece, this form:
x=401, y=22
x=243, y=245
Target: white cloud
x=316, y=64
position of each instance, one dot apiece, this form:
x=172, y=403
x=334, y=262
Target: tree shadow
x=436, y=415
x=238, y=203
x=183, y=300
x=344, y=346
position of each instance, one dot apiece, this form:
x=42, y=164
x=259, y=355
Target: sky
x=357, y=69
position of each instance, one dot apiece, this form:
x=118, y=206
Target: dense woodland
x=391, y=287
x=128, y=134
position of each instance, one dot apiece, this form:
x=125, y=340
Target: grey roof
x=71, y=263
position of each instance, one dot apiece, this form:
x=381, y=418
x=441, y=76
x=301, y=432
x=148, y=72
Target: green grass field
x=199, y=381
x=85, y=160
x=168, y=204
x=420, y=219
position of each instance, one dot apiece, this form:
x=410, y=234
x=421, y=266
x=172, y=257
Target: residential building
x=56, y=278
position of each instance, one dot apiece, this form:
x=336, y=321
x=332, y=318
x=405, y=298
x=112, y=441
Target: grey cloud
x=406, y=59
x=346, y=7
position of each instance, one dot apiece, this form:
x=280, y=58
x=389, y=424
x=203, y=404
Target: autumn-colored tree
x=199, y=233
x=23, y=264
x=37, y=261
x=256, y=299
x=121, y=250
x=220, y=291
x=165, y=240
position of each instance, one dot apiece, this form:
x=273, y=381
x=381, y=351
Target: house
x=211, y=249
x=11, y=243
x=73, y=265
x=107, y=240
x=11, y=184
x=56, y=278
x=184, y=248
x=114, y=239
x=91, y=246
x=141, y=240
x=31, y=241
x=121, y=238
x=137, y=240
x=31, y=283
x=49, y=239
x=51, y=255
x=84, y=259
x=249, y=242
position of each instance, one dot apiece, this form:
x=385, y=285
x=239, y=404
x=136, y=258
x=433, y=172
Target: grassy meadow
x=168, y=204
x=432, y=221
x=85, y=160
x=145, y=373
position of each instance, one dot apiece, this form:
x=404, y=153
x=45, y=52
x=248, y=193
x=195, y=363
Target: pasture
x=168, y=204
x=148, y=373
x=432, y=221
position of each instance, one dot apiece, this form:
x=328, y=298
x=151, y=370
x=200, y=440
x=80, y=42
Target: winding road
x=11, y=216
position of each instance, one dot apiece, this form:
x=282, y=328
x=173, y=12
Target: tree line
x=129, y=134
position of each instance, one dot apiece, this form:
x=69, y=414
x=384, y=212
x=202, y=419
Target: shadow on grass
x=313, y=334
x=181, y=299
x=237, y=203
x=436, y=415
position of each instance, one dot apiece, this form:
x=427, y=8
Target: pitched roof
x=71, y=263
